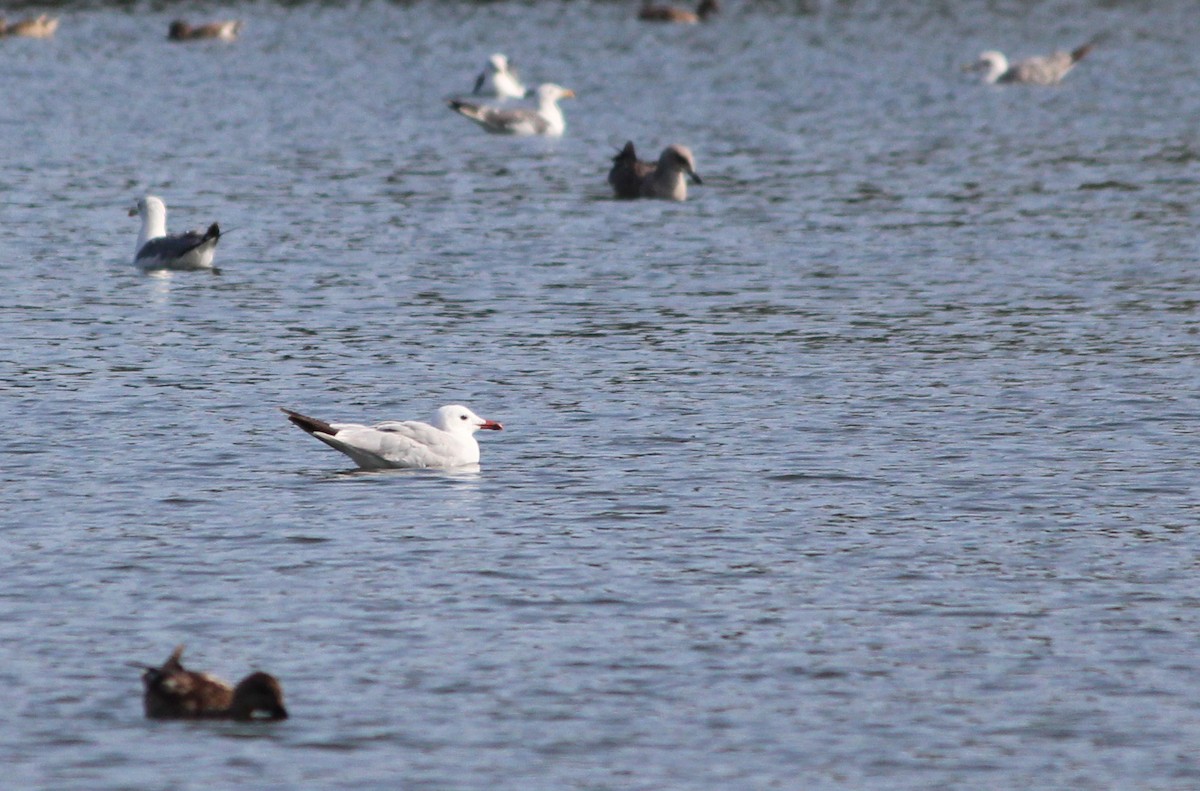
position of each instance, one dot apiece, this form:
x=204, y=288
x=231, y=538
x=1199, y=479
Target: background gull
x=158, y=250
x=227, y=30
x=1040, y=70
x=445, y=442
x=547, y=119
x=499, y=79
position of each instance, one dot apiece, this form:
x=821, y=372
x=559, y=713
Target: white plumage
x=445, y=442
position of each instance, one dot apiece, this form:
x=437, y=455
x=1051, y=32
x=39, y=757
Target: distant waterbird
x=499, y=79
x=630, y=177
x=447, y=441
x=41, y=26
x=227, y=30
x=1041, y=70
x=546, y=119
x=171, y=691
x=658, y=13
x=156, y=249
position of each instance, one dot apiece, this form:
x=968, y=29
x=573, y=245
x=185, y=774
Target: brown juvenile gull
x=158, y=250
x=445, y=442
x=664, y=13
x=1041, y=70
x=173, y=692
x=227, y=30
x=499, y=79
x=665, y=179
x=40, y=26
x=547, y=119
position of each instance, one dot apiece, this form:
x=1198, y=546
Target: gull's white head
x=991, y=62
x=498, y=63
x=677, y=157
x=149, y=206
x=549, y=93
x=457, y=419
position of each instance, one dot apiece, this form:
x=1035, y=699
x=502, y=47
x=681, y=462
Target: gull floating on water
x=40, y=26
x=632, y=178
x=547, y=119
x=157, y=250
x=661, y=13
x=1041, y=70
x=227, y=30
x=173, y=692
x=499, y=79
x=443, y=443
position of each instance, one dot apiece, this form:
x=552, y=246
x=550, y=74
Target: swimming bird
x=632, y=178
x=546, y=120
x=227, y=30
x=41, y=26
x=443, y=443
x=660, y=13
x=1041, y=70
x=499, y=79
x=627, y=172
x=173, y=692
x=158, y=250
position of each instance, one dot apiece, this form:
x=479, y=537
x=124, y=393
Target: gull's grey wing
x=502, y=120
x=1047, y=70
x=176, y=246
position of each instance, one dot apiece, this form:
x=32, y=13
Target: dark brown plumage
x=628, y=172
x=174, y=692
x=226, y=31
x=663, y=13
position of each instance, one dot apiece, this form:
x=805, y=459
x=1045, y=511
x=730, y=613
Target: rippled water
x=871, y=466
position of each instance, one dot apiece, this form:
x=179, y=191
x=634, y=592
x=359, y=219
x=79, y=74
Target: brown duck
x=41, y=26
x=670, y=13
x=225, y=31
x=174, y=692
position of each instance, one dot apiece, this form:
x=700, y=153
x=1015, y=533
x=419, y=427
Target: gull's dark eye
x=462, y=417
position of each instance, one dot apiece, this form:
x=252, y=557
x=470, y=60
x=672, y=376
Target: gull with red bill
x=445, y=442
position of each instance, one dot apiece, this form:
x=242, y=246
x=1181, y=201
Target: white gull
x=1041, y=70
x=547, y=119
x=158, y=250
x=443, y=443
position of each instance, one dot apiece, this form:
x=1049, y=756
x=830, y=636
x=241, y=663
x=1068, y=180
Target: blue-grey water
x=871, y=466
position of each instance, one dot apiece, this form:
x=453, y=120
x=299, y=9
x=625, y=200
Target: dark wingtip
x=214, y=232
x=309, y=424
x=1078, y=53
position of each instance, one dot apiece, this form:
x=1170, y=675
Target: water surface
x=872, y=466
